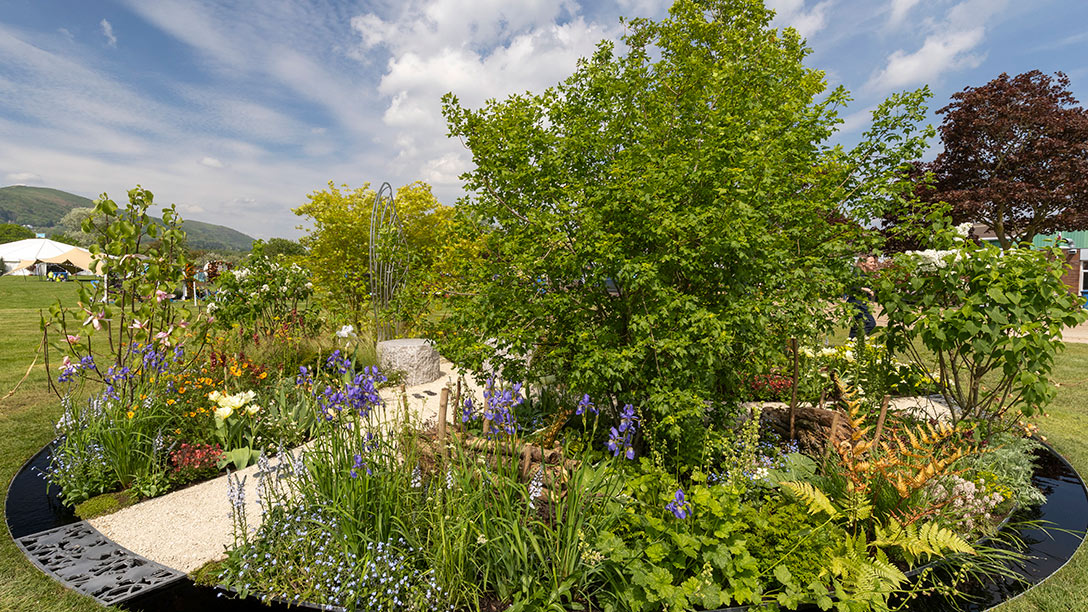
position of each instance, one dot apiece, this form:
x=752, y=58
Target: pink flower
x=161, y=295
x=164, y=335
x=138, y=324
x=183, y=324
x=73, y=339
x=67, y=363
x=95, y=319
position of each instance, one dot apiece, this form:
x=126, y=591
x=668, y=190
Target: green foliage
x=984, y=314
x=282, y=246
x=468, y=523
x=664, y=215
x=1007, y=467
x=266, y=296
x=10, y=232
x=120, y=318
x=72, y=225
x=338, y=246
x=104, y=504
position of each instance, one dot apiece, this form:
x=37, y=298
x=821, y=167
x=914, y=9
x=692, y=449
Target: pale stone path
x=187, y=528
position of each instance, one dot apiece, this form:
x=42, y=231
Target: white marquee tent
x=26, y=257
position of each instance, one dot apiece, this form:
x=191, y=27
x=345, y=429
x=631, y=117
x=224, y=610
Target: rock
x=416, y=358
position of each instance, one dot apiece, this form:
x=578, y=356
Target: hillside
x=43, y=208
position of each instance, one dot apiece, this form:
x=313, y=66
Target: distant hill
x=43, y=208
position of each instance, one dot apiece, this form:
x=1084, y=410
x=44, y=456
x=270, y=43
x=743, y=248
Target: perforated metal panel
x=86, y=561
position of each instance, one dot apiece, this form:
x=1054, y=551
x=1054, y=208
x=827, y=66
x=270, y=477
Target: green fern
x=930, y=539
x=812, y=497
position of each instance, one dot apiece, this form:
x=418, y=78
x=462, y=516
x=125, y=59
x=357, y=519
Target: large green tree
x=338, y=243
x=666, y=218
x=10, y=232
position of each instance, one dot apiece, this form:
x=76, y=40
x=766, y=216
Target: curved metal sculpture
x=388, y=260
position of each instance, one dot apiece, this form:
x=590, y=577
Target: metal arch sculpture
x=388, y=260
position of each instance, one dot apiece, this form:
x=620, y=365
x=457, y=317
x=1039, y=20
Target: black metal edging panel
x=82, y=559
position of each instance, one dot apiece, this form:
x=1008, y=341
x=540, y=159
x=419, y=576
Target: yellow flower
x=263, y=375
x=169, y=402
x=131, y=414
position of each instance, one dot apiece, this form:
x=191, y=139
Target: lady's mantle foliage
x=672, y=211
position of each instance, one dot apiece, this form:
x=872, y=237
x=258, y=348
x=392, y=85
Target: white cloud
x=899, y=10
x=795, y=14
x=22, y=177
x=478, y=50
x=211, y=162
x=939, y=54
x=951, y=44
x=107, y=31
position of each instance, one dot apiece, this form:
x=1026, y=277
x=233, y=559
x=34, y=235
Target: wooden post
x=404, y=400
x=443, y=399
x=459, y=407
x=793, y=395
x=880, y=420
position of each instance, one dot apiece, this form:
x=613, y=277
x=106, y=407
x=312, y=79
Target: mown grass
x=27, y=418
x=26, y=424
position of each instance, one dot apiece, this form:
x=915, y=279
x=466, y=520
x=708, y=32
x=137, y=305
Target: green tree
x=283, y=246
x=664, y=220
x=338, y=245
x=71, y=224
x=10, y=232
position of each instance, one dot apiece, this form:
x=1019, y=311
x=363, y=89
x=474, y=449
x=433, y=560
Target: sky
x=236, y=111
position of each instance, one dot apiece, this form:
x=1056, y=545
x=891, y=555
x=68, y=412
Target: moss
x=208, y=574
x=107, y=503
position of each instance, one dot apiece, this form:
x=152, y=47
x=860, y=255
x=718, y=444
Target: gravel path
x=185, y=529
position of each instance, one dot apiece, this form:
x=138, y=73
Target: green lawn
x=27, y=418
x=26, y=424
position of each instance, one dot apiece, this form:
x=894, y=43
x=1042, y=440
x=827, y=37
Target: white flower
x=253, y=408
x=212, y=307
x=223, y=412
x=963, y=229
x=347, y=331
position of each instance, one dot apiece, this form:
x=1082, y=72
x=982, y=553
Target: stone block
x=416, y=358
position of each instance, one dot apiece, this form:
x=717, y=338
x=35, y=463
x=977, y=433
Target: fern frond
x=812, y=497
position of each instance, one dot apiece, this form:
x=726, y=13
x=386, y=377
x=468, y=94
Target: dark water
x=32, y=508
x=1064, y=520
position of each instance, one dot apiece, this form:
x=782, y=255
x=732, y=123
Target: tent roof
x=76, y=257
x=33, y=248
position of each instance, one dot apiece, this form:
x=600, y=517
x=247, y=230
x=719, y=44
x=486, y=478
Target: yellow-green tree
x=338, y=246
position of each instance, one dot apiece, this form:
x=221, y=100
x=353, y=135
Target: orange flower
x=169, y=402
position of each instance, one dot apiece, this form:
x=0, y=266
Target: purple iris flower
x=679, y=506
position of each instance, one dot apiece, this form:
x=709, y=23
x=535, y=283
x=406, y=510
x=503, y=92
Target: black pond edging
x=31, y=508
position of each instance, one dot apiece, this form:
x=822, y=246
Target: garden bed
x=32, y=508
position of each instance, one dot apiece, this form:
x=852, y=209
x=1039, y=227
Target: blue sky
x=236, y=111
